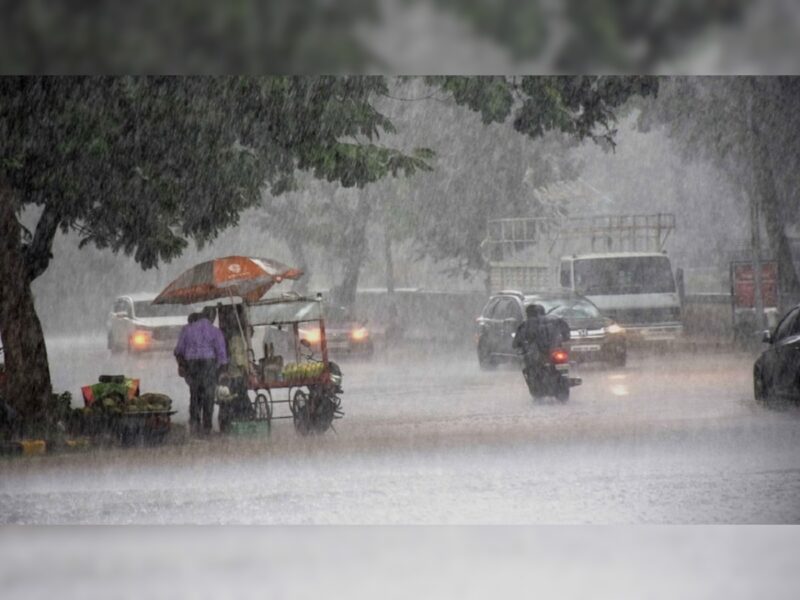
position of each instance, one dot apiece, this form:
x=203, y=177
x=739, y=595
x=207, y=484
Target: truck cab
x=636, y=289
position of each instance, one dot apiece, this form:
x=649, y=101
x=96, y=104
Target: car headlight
x=359, y=334
x=312, y=336
x=614, y=328
x=141, y=338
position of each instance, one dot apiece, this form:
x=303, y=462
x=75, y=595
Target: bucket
x=249, y=428
x=33, y=447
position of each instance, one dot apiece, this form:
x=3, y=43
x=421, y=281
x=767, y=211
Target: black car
x=592, y=336
x=776, y=373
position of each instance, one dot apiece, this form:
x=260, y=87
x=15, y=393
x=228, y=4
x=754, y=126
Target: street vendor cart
x=285, y=327
x=289, y=373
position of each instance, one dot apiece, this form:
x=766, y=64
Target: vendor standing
x=201, y=349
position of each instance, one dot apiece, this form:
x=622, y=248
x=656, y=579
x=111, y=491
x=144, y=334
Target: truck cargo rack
x=601, y=233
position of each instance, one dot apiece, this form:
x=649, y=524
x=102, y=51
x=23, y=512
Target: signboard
x=743, y=284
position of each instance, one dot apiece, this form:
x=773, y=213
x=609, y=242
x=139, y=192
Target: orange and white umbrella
x=244, y=276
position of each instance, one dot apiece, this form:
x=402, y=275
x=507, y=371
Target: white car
x=136, y=325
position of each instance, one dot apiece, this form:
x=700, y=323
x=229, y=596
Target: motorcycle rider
x=538, y=335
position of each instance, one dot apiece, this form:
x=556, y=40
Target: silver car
x=136, y=325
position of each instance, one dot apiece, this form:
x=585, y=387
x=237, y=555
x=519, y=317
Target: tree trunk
x=781, y=248
x=28, y=386
x=774, y=221
x=357, y=250
x=387, y=253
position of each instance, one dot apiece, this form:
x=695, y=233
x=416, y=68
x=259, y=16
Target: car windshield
x=577, y=309
x=548, y=305
x=146, y=309
x=624, y=275
x=337, y=313
x=567, y=308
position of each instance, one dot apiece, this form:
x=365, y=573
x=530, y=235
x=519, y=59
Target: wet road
x=431, y=439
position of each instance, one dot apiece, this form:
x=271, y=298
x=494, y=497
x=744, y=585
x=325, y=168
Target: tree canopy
x=477, y=175
x=623, y=35
x=142, y=165
x=199, y=36
x=746, y=127
x=579, y=107
x=302, y=36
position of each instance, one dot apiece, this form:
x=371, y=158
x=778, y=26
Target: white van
x=636, y=289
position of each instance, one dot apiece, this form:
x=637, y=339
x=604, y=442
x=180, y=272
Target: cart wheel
x=262, y=405
x=330, y=408
x=224, y=417
x=301, y=412
x=324, y=408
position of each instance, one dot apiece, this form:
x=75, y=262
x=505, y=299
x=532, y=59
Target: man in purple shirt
x=201, y=350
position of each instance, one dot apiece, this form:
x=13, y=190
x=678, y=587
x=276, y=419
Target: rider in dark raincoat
x=538, y=335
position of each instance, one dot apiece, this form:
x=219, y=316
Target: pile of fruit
x=299, y=372
x=115, y=404
x=117, y=411
x=111, y=392
x=148, y=403
x=116, y=395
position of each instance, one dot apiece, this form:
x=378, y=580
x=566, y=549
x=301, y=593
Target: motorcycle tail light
x=559, y=357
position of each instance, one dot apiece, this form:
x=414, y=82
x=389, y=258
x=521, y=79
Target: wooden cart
x=298, y=375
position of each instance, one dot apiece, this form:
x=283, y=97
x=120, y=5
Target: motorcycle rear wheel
x=534, y=391
x=562, y=390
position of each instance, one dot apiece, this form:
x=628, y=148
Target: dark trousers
x=201, y=375
x=534, y=360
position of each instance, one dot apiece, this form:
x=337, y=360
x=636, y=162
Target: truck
x=619, y=262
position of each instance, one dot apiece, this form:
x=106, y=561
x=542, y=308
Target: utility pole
x=755, y=231
x=755, y=220
x=389, y=259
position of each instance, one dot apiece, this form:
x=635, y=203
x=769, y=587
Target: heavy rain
x=438, y=425
x=424, y=300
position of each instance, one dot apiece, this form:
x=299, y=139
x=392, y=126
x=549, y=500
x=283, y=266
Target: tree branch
x=39, y=251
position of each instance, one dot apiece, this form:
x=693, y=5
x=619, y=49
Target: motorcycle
x=547, y=374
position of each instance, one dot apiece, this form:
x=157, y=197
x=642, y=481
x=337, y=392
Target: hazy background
x=407, y=36
x=402, y=36
x=401, y=562
x=479, y=172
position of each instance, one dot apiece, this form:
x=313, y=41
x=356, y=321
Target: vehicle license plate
x=586, y=348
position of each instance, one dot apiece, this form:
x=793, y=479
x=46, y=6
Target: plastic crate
x=247, y=428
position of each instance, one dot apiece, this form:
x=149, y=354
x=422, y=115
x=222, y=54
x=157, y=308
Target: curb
x=40, y=447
